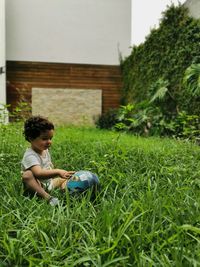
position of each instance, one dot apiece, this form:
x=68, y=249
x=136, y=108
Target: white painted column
x=3, y=111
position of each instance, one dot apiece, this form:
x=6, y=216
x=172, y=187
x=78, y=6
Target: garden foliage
x=161, y=80
x=166, y=54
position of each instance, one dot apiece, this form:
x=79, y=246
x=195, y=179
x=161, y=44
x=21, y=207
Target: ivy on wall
x=166, y=54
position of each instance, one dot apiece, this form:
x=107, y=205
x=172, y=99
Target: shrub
x=108, y=119
x=166, y=53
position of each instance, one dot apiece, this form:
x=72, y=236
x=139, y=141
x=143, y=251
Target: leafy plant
x=3, y=114
x=158, y=90
x=191, y=80
x=108, y=119
x=20, y=112
x=167, y=52
x=143, y=117
x=187, y=126
x=149, y=118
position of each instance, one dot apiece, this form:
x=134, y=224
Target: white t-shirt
x=31, y=158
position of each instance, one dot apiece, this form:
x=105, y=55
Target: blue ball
x=82, y=180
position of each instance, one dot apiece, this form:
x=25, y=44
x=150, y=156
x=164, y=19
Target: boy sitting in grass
x=38, y=175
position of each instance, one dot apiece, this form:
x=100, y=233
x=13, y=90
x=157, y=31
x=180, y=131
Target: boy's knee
x=27, y=175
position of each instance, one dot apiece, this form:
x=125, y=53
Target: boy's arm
x=40, y=173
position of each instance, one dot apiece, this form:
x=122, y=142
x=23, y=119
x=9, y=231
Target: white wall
x=3, y=110
x=2, y=51
x=194, y=8
x=69, y=31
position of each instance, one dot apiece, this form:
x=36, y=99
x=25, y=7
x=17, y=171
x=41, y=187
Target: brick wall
x=23, y=76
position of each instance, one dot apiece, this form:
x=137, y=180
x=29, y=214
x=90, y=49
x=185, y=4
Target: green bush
x=187, y=126
x=166, y=54
x=147, y=118
x=108, y=119
x=161, y=80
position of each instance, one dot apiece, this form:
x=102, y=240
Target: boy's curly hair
x=35, y=125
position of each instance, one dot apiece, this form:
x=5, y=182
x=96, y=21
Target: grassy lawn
x=146, y=214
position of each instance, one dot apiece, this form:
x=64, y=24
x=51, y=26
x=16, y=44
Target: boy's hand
x=66, y=174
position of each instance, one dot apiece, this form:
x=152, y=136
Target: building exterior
x=69, y=51
x=68, y=31
x=2, y=60
x=194, y=8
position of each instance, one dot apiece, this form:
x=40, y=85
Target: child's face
x=43, y=141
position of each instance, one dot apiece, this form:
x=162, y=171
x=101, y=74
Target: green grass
x=146, y=214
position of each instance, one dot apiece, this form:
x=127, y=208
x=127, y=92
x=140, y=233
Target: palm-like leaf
x=159, y=90
x=191, y=80
x=159, y=94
